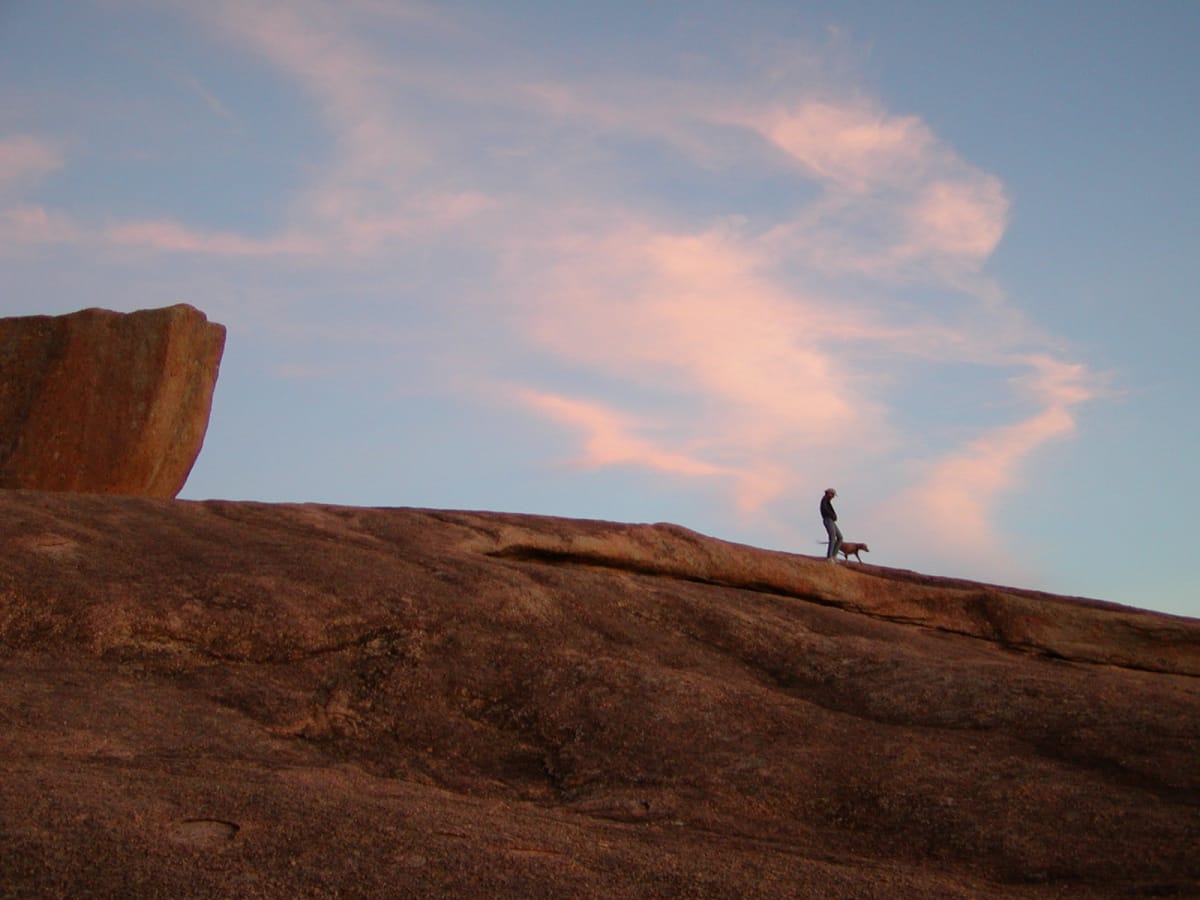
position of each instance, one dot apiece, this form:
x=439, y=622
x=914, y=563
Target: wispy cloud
x=25, y=224
x=369, y=190
x=955, y=496
x=853, y=146
x=731, y=363
x=173, y=237
x=610, y=437
x=895, y=201
x=766, y=352
x=960, y=220
x=26, y=159
x=373, y=189
x=211, y=100
x=770, y=376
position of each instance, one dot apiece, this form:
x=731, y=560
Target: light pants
x=835, y=538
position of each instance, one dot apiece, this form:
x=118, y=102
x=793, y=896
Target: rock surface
x=238, y=699
x=105, y=402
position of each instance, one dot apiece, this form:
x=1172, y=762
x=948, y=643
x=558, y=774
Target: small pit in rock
x=203, y=832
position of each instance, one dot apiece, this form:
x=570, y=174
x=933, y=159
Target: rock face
x=236, y=699
x=104, y=402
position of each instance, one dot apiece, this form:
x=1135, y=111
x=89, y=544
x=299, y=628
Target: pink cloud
x=963, y=219
x=422, y=215
x=375, y=155
x=355, y=235
x=854, y=146
x=694, y=312
x=364, y=200
x=756, y=379
x=744, y=373
x=25, y=159
x=958, y=494
x=1059, y=384
x=610, y=439
x=765, y=384
x=741, y=338
x=956, y=498
x=35, y=225
x=169, y=236
x=373, y=190
x=753, y=374
x=897, y=201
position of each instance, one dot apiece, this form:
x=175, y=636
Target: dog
x=849, y=547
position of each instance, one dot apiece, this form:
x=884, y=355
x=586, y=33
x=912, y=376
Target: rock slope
x=239, y=699
x=105, y=402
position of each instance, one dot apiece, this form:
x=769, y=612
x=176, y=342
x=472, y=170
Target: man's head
x=830, y=493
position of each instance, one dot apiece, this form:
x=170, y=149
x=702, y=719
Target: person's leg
x=835, y=538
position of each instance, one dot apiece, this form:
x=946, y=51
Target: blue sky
x=682, y=261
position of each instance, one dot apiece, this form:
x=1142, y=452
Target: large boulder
x=105, y=402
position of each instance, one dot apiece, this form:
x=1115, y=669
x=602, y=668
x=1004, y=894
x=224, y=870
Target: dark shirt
x=827, y=509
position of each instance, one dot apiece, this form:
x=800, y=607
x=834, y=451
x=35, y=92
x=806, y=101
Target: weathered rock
x=105, y=402
x=254, y=700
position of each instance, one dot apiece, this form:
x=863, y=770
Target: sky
x=683, y=261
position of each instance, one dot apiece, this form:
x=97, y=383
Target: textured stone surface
x=105, y=402
x=253, y=700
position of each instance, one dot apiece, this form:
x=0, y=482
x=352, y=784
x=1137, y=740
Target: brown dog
x=849, y=547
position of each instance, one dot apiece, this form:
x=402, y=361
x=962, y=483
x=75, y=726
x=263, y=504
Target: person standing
x=829, y=518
